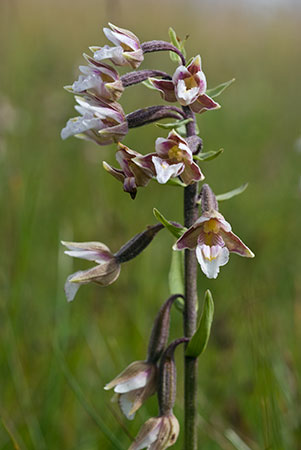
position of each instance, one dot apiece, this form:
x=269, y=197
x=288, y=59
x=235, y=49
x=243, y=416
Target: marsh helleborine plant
x=173, y=159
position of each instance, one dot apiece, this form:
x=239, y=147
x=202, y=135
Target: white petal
x=149, y=439
x=78, y=125
x=166, y=171
x=210, y=264
x=184, y=95
x=114, y=53
x=132, y=384
x=71, y=288
x=126, y=404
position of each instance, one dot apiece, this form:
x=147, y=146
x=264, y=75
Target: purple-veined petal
x=121, y=36
x=204, y=103
x=165, y=171
x=91, y=251
x=195, y=66
x=166, y=88
x=186, y=96
x=211, y=259
x=117, y=173
x=191, y=173
x=235, y=245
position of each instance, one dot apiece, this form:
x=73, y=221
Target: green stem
x=190, y=311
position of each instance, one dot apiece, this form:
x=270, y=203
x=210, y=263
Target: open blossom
x=98, y=80
x=174, y=158
x=127, y=51
x=134, y=385
x=101, y=122
x=135, y=170
x=158, y=433
x=212, y=237
x=105, y=273
x=188, y=87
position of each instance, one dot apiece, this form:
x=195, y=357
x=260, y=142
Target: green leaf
x=172, y=125
x=176, y=277
x=208, y=156
x=180, y=44
x=199, y=340
x=174, y=41
x=175, y=231
x=217, y=90
x=149, y=85
x=182, y=130
x=230, y=194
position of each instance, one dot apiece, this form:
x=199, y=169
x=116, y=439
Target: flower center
x=175, y=153
x=211, y=226
x=190, y=82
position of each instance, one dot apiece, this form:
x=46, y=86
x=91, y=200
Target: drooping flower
x=105, y=273
x=212, y=237
x=101, y=122
x=188, y=87
x=127, y=51
x=135, y=169
x=138, y=381
x=134, y=385
x=158, y=433
x=161, y=432
x=174, y=158
x=98, y=80
x=108, y=268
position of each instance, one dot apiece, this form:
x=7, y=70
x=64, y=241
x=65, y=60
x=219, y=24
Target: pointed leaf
x=230, y=194
x=176, y=277
x=217, y=90
x=173, y=125
x=208, y=156
x=182, y=130
x=177, y=43
x=149, y=85
x=175, y=231
x=199, y=340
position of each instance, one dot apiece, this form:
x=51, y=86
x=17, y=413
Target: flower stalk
x=190, y=309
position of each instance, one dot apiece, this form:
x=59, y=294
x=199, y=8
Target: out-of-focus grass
x=52, y=190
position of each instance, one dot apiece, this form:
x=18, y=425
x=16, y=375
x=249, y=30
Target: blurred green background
x=249, y=377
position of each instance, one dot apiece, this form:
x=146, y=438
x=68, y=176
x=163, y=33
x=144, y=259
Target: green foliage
x=177, y=42
x=217, y=90
x=176, y=277
x=199, y=340
x=174, y=230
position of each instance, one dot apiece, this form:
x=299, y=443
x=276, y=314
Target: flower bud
x=137, y=244
x=167, y=384
x=160, y=330
x=209, y=202
x=134, y=385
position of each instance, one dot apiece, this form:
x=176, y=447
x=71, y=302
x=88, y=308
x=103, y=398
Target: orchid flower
x=105, y=273
x=98, y=80
x=158, y=433
x=174, y=158
x=101, y=122
x=211, y=237
x=134, y=385
x=127, y=51
x=188, y=87
x=135, y=171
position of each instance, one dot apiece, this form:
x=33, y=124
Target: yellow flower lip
x=211, y=226
x=175, y=153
